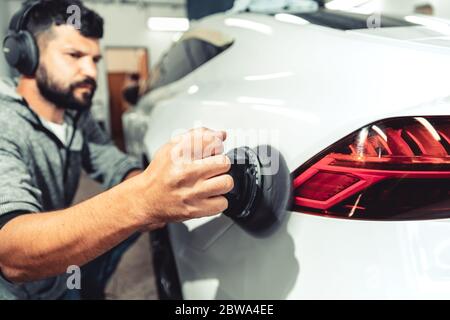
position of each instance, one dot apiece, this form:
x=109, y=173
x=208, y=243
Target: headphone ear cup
x=21, y=52
x=29, y=54
x=11, y=50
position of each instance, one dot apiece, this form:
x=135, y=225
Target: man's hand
x=186, y=179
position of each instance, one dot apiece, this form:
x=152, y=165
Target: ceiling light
x=168, y=24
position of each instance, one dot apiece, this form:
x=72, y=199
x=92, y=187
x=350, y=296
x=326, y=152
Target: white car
x=361, y=117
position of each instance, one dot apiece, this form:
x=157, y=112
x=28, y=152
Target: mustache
x=86, y=82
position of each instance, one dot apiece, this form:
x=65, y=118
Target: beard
x=64, y=97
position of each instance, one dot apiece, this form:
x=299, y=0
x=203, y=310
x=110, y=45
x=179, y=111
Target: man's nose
x=89, y=68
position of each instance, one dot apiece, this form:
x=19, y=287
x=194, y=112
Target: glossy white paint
x=312, y=257
x=301, y=88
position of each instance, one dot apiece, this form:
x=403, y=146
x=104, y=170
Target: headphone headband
x=20, y=18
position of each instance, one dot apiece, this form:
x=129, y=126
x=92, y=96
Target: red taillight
x=392, y=169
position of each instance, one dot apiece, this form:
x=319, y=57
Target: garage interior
x=132, y=46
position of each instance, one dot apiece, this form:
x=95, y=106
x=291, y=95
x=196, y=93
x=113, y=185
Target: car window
x=184, y=57
x=349, y=21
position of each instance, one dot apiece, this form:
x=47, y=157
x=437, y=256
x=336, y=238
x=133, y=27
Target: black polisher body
x=262, y=189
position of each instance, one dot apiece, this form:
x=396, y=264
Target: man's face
x=67, y=72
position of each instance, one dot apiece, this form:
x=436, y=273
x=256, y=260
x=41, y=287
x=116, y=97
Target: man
x=47, y=135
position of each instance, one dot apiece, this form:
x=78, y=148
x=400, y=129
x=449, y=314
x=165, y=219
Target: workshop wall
x=403, y=7
x=4, y=69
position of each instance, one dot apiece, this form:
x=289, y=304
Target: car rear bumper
x=312, y=257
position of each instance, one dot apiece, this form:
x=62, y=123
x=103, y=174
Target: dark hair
x=54, y=12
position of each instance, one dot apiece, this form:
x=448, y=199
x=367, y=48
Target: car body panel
x=312, y=257
x=320, y=85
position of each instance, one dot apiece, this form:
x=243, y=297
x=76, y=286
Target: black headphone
x=20, y=47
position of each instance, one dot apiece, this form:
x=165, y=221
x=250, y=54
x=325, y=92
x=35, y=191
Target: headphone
x=20, y=47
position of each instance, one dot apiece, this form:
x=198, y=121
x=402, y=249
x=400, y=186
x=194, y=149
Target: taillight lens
x=394, y=169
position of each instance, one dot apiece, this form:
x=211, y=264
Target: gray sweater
x=38, y=173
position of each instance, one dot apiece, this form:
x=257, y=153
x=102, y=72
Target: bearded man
x=47, y=135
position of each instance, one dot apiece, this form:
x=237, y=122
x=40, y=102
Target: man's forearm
x=36, y=246
x=132, y=174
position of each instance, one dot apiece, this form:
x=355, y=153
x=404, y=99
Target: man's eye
x=75, y=55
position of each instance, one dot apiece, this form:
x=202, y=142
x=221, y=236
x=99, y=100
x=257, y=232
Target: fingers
x=220, y=134
x=216, y=186
x=201, y=143
x=207, y=143
x=213, y=148
x=211, y=206
x=212, y=166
